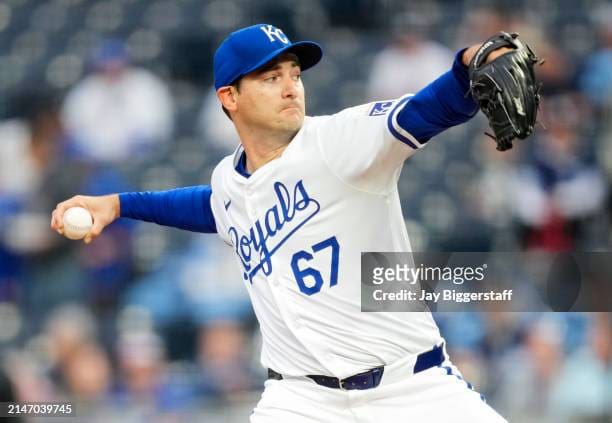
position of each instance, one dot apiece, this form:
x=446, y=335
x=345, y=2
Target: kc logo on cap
x=273, y=32
x=250, y=48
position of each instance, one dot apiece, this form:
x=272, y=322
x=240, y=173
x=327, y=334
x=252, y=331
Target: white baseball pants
x=435, y=395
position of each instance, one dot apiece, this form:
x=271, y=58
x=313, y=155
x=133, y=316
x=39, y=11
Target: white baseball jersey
x=298, y=226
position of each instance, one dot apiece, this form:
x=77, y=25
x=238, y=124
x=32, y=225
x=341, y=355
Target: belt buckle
x=341, y=383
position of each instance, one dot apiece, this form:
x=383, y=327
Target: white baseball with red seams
x=77, y=222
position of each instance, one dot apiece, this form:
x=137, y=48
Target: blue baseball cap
x=250, y=48
x=110, y=52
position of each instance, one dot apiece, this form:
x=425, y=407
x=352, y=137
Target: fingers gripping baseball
x=103, y=209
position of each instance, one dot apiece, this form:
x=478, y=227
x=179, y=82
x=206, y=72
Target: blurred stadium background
x=152, y=324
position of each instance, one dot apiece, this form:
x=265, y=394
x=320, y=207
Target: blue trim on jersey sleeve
x=440, y=105
x=394, y=131
x=184, y=208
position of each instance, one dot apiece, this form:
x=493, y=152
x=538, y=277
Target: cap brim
x=309, y=54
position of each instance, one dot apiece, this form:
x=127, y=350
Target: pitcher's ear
x=227, y=97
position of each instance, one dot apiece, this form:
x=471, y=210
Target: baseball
x=77, y=222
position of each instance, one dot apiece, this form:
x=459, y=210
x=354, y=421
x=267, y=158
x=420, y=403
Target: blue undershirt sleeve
x=440, y=105
x=184, y=208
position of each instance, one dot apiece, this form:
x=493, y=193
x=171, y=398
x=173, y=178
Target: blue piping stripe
x=392, y=129
x=400, y=129
x=449, y=372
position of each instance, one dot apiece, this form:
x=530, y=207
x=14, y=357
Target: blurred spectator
x=88, y=373
x=31, y=143
x=35, y=174
x=146, y=381
x=223, y=363
x=28, y=375
x=120, y=112
x=67, y=327
x=530, y=370
x=583, y=390
x=560, y=187
x=188, y=285
x=32, y=180
x=492, y=197
x=409, y=64
x=596, y=83
x=215, y=129
x=141, y=361
x=596, y=77
x=79, y=366
x=480, y=23
x=557, y=72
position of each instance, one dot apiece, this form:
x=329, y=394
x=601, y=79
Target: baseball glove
x=506, y=89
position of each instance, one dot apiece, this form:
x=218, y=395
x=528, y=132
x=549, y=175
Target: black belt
x=372, y=378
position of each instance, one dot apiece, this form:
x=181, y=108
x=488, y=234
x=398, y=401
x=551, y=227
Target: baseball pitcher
x=302, y=197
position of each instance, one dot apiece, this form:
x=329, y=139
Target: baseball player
x=298, y=202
